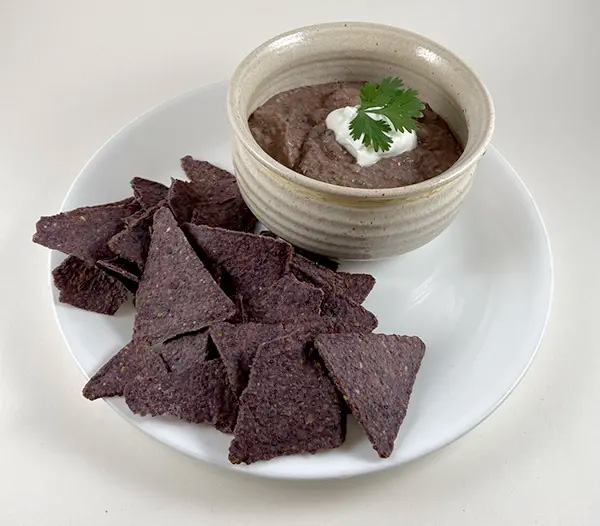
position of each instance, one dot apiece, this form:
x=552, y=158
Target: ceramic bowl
x=356, y=223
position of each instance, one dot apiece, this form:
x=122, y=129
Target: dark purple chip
x=148, y=193
x=324, y=261
x=237, y=345
x=200, y=395
x=375, y=373
x=131, y=361
x=345, y=315
x=84, y=232
x=252, y=262
x=183, y=198
x=88, y=287
x=121, y=269
x=241, y=316
x=184, y=352
x=290, y=405
x=355, y=286
x=287, y=299
x=133, y=242
x=176, y=295
x=206, y=175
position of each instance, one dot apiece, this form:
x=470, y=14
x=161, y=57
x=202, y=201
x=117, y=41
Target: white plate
x=478, y=295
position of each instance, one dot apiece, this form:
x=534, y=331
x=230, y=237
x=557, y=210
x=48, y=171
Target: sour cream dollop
x=338, y=121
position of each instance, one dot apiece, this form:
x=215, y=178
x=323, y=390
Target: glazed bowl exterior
x=356, y=223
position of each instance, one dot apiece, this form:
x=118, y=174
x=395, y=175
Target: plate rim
x=374, y=467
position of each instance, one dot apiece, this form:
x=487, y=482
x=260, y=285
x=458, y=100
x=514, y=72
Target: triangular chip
x=148, y=193
x=88, y=287
x=121, y=269
x=132, y=243
x=375, y=373
x=286, y=299
x=324, y=261
x=183, y=198
x=200, y=395
x=251, y=261
x=184, y=352
x=131, y=361
x=345, y=315
x=237, y=345
x=84, y=232
x=290, y=405
x=355, y=286
x=177, y=294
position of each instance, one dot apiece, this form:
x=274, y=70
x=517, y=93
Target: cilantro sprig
x=390, y=99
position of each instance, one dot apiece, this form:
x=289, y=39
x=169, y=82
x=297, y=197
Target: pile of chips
x=233, y=328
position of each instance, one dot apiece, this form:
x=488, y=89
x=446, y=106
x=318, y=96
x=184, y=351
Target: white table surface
x=73, y=72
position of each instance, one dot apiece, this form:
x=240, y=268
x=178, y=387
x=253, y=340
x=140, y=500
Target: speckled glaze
x=355, y=223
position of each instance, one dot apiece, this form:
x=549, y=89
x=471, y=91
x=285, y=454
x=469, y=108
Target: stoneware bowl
x=356, y=223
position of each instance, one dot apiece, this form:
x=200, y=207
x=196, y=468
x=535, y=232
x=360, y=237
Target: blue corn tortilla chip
x=375, y=373
x=222, y=204
x=88, y=287
x=148, y=193
x=237, y=345
x=132, y=243
x=130, y=362
x=125, y=271
x=355, y=286
x=324, y=261
x=183, y=198
x=290, y=405
x=286, y=299
x=341, y=314
x=251, y=262
x=176, y=295
x=184, y=352
x=84, y=232
x=201, y=394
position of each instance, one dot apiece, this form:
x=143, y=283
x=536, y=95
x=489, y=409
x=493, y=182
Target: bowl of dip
x=290, y=102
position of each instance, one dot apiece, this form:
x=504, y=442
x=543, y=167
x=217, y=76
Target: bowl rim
x=243, y=134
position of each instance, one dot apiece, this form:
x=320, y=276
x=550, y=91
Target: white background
x=73, y=72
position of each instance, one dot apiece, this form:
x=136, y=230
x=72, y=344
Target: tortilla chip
x=324, y=261
x=133, y=242
x=355, y=286
x=290, y=405
x=84, y=232
x=88, y=287
x=121, y=269
x=148, y=193
x=184, y=352
x=183, y=198
x=286, y=299
x=237, y=345
x=252, y=262
x=200, y=395
x=345, y=315
x=131, y=361
x=177, y=295
x=375, y=373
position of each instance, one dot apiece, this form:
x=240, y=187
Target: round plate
x=478, y=295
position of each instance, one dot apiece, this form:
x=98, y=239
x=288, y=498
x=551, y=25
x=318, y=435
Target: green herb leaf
x=389, y=99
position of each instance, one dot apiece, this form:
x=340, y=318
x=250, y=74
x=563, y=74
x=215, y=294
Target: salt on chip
x=237, y=346
x=199, y=395
x=88, y=287
x=148, y=193
x=131, y=361
x=252, y=262
x=290, y=405
x=286, y=299
x=375, y=373
x=84, y=232
x=176, y=294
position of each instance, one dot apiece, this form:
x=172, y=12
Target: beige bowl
x=356, y=223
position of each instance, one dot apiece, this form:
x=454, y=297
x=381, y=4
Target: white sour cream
x=338, y=121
